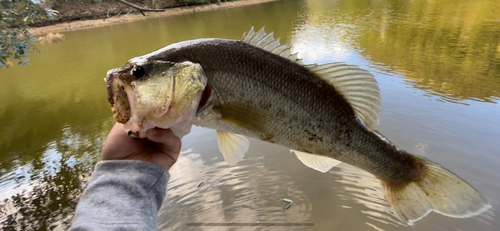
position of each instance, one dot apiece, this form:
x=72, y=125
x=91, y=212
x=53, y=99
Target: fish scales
x=301, y=110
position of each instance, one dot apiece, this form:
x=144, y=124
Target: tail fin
x=438, y=190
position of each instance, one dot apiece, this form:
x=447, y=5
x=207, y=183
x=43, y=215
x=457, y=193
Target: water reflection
x=44, y=193
x=447, y=47
x=250, y=192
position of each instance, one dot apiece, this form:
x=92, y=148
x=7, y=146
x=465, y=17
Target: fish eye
x=138, y=72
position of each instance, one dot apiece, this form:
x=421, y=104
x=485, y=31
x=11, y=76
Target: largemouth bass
x=255, y=87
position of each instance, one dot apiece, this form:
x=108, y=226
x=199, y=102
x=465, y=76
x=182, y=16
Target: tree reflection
x=445, y=47
x=57, y=179
x=449, y=47
x=29, y=125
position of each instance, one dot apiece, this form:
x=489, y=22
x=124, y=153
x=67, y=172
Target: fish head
x=145, y=94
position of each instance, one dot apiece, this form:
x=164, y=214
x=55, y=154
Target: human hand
x=161, y=147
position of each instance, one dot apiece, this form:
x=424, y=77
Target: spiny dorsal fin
x=268, y=43
x=358, y=86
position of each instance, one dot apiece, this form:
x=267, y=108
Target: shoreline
x=87, y=24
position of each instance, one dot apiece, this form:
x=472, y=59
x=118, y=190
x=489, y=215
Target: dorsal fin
x=358, y=86
x=268, y=43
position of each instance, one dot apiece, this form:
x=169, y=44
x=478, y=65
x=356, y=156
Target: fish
x=256, y=87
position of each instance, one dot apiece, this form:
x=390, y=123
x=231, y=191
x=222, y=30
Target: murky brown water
x=437, y=63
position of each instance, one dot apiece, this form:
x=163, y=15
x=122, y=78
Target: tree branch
x=142, y=10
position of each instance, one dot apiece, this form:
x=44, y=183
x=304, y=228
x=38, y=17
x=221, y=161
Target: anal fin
x=316, y=162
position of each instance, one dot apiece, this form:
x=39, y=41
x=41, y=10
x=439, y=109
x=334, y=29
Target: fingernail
x=152, y=132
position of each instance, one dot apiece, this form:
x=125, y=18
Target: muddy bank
x=122, y=18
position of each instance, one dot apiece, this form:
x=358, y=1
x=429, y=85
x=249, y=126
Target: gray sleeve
x=122, y=195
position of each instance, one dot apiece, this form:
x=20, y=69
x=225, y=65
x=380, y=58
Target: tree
x=15, y=40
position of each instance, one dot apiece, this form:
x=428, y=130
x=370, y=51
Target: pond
x=437, y=63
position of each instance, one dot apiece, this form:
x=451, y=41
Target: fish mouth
x=122, y=97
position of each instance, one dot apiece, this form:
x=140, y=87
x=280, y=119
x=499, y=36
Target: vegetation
x=15, y=40
x=17, y=15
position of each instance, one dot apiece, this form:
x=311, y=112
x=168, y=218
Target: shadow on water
x=437, y=63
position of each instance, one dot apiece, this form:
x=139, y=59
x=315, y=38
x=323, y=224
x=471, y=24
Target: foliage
x=15, y=40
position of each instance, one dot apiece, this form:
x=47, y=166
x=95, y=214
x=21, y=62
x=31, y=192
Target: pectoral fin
x=316, y=162
x=232, y=146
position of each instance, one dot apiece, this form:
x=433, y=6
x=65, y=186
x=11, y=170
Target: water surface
x=437, y=63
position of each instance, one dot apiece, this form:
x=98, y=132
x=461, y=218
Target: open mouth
x=137, y=106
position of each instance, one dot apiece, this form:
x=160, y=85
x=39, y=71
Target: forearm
x=124, y=195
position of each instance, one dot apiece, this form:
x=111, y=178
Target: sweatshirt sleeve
x=122, y=195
